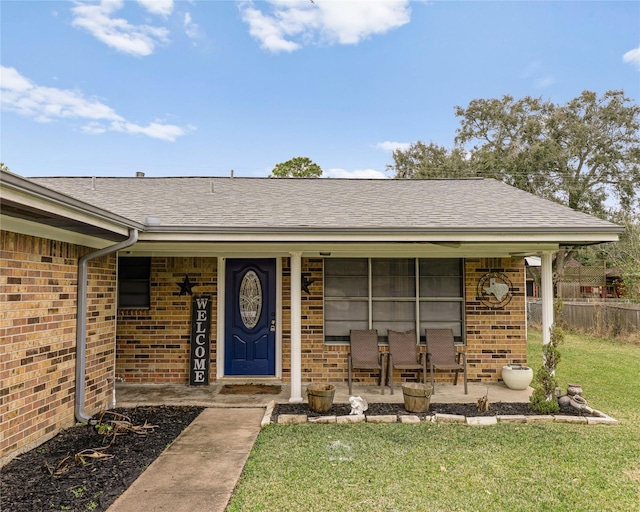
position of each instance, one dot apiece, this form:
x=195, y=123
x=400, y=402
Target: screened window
x=392, y=293
x=134, y=282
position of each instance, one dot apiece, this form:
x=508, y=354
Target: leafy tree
x=430, y=161
x=298, y=167
x=625, y=255
x=579, y=154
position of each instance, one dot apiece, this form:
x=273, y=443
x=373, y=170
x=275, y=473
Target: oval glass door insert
x=250, y=298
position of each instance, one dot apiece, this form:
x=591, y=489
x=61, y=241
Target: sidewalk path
x=199, y=471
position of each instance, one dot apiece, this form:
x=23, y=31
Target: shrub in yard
x=545, y=383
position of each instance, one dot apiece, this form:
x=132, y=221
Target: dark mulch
x=497, y=408
x=51, y=477
x=250, y=389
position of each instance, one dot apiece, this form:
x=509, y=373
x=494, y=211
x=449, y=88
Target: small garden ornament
x=358, y=405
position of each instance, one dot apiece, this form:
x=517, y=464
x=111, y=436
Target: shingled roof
x=246, y=204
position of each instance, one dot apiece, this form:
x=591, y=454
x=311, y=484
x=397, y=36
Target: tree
x=430, y=161
x=578, y=154
x=298, y=167
x=625, y=255
x=582, y=154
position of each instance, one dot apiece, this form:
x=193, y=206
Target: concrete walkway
x=199, y=471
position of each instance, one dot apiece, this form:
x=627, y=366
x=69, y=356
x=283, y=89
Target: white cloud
x=633, y=57
x=161, y=7
x=536, y=72
x=46, y=104
x=322, y=22
x=361, y=174
x=391, y=146
x=545, y=81
x=118, y=33
x=191, y=29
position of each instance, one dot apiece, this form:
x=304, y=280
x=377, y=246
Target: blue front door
x=250, y=317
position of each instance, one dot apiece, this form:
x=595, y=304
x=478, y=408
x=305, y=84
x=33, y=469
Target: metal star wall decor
x=306, y=282
x=186, y=286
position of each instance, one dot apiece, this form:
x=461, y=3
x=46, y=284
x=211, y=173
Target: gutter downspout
x=81, y=320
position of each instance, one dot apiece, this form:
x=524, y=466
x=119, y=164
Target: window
x=134, y=282
x=392, y=293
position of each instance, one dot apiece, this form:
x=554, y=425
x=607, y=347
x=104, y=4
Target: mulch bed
x=249, y=389
x=54, y=477
x=495, y=408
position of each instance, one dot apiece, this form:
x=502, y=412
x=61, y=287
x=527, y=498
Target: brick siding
x=153, y=344
x=494, y=337
x=38, y=292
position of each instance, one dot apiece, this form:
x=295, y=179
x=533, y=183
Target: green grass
x=457, y=467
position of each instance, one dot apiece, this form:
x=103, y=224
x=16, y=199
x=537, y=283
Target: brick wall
x=38, y=291
x=495, y=337
x=153, y=344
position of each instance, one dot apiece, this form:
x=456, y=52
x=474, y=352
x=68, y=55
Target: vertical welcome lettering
x=200, y=341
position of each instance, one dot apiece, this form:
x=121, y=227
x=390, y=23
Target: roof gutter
x=81, y=321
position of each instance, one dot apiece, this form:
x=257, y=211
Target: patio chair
x=364, y=354
x=441, y=354
x=404, y=353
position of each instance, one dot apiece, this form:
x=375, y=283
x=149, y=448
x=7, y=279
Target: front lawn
x=458, y=467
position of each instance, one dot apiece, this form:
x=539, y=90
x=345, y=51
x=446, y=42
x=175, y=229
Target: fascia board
x=27, y=227
x=362, y=237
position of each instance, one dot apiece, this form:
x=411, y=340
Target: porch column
x=296, y=329
x=546, y=285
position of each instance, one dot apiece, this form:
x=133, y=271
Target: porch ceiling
x=343, y=249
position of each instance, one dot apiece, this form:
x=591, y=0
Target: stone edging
x=294, y=419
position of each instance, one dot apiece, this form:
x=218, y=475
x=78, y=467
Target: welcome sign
x=200, y=344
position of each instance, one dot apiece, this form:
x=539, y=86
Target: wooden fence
x=602, y=318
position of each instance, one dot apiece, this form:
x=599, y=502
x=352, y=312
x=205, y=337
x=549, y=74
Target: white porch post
x=296, y=330
x=547, y=297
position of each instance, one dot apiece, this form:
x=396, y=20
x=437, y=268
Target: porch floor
x=131, y=395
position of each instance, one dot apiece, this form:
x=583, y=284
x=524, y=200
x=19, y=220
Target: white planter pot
x=516, y=376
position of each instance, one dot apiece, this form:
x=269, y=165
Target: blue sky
x=182, y=88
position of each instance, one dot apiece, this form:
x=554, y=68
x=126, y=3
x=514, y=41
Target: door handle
x=272, y=328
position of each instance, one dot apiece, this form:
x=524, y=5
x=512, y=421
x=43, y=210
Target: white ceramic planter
x=517, y=376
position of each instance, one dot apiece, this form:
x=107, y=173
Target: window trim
x=417, y=299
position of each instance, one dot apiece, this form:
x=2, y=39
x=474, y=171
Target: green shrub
x=545, y=383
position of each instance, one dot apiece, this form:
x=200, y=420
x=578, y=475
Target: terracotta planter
x=516, y=376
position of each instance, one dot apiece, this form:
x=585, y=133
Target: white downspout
x=81, y=320
x=296, y=329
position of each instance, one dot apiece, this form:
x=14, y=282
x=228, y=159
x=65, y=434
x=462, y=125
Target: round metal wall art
x=250, y=298
x=495, y=290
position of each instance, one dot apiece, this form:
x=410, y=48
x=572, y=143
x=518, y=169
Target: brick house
x=107, y=279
